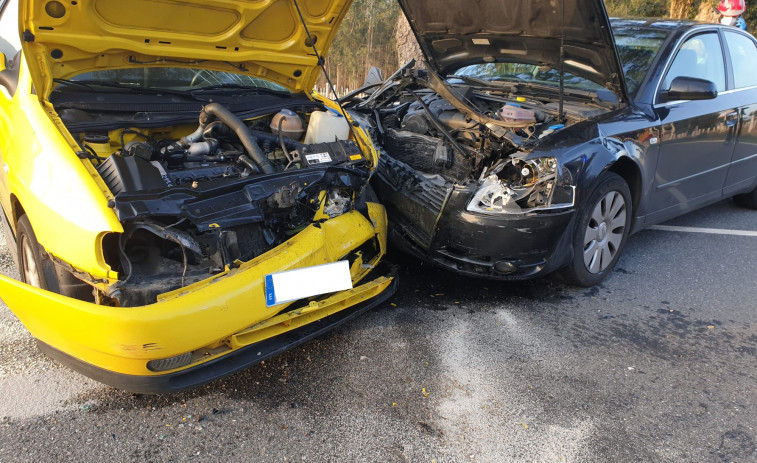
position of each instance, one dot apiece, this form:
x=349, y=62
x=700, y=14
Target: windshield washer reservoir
x=326, y=126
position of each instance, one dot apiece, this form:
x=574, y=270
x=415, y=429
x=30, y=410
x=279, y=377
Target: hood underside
x=261, y=38
x=453, y=35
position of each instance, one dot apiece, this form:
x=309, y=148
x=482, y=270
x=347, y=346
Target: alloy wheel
x=31, y=273
x=604, y=232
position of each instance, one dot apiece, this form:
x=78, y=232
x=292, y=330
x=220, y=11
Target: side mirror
x=690, y=88
x=8, y=77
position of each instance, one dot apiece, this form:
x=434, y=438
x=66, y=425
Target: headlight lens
x=517, y=186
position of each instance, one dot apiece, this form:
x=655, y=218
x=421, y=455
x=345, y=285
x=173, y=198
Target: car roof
x=674, y=28
x=664, y=24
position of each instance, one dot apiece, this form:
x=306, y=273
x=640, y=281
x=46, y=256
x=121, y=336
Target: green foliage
x=686, y=9
x=750, y=16
x=638, y=8
x=365, y=39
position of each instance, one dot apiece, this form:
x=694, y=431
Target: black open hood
x=453, y=33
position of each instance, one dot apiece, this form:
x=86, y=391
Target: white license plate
x=306, y=282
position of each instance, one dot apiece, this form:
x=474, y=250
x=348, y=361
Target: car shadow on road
x=295, y=377
x=438, y=288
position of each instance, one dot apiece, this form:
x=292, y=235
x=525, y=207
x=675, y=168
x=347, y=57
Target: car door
x=696, y=137
x=742, y=51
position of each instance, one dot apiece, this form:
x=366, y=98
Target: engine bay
x=468, y=131
x=195, y=200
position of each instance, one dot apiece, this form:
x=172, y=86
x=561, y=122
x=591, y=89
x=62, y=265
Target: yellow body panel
x=64, y=198
x=69, y=205
x=122, y=340
x=262, y=38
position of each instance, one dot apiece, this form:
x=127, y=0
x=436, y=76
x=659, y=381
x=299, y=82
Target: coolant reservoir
x=289, y=122
x=326, y=126
x=515, y=115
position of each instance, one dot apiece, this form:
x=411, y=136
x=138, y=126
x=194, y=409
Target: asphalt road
x=658, y=364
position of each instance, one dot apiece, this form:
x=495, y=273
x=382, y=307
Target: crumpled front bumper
x=430, y=220
x=221, y=324
x=265, y=342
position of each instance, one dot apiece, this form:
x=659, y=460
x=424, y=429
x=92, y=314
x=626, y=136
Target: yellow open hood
x=262, y=38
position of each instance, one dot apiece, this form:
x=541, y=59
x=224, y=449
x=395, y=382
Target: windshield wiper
x=548, y=90
x=522, y=86
x=245, y=88
x=130, y=88
x=483, y=82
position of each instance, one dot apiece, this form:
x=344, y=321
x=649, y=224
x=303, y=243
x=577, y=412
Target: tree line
x=366, y=38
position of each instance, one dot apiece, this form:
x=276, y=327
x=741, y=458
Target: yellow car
x=180, y=206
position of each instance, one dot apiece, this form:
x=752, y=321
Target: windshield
x=175, y=78
x=526, y=73
x=637, y=48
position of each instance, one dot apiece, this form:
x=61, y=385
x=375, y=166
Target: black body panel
x=228, y=204
x=478, y=244
x=523, y=30
x=674, y=156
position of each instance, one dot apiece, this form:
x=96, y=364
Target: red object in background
x=731, y=8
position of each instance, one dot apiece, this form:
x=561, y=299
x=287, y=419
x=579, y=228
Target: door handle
x=731, y=119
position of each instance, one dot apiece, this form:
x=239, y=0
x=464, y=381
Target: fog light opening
x=505, y=266
x=170, y=363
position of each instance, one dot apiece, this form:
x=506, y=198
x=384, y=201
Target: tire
x=37, y=269
x=747, y=200
x=601, y=230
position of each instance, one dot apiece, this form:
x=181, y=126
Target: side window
x=700, y=56
x=743, y=58
x=10, y=43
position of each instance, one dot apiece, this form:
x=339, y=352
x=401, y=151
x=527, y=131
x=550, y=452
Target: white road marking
x=715, y=231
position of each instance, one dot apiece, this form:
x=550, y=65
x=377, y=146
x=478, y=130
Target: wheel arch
x=10, y=223
x=17, y=210
x=9, y=232
x=630, y=172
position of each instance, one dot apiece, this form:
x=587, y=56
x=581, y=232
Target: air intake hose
x=243, y=132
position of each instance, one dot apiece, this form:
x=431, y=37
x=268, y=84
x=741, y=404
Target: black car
x=539, y=139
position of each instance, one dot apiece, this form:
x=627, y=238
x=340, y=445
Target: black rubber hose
x=282, y=142
x=274, y=139
x=215, y=129
x=217, y=158
x=247, y=162
x=243, y=132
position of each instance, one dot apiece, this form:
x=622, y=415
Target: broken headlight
x=337, y=203
x=517, y=185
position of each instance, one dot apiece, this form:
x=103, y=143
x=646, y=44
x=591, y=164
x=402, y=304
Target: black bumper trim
x=223, y=366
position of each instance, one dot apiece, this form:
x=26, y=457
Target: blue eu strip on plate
x=270, y=293
x=306, y=282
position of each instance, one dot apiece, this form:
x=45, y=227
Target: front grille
x=418, y=200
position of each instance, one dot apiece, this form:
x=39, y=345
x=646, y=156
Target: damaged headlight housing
x=518, y=185
x=337, y=203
